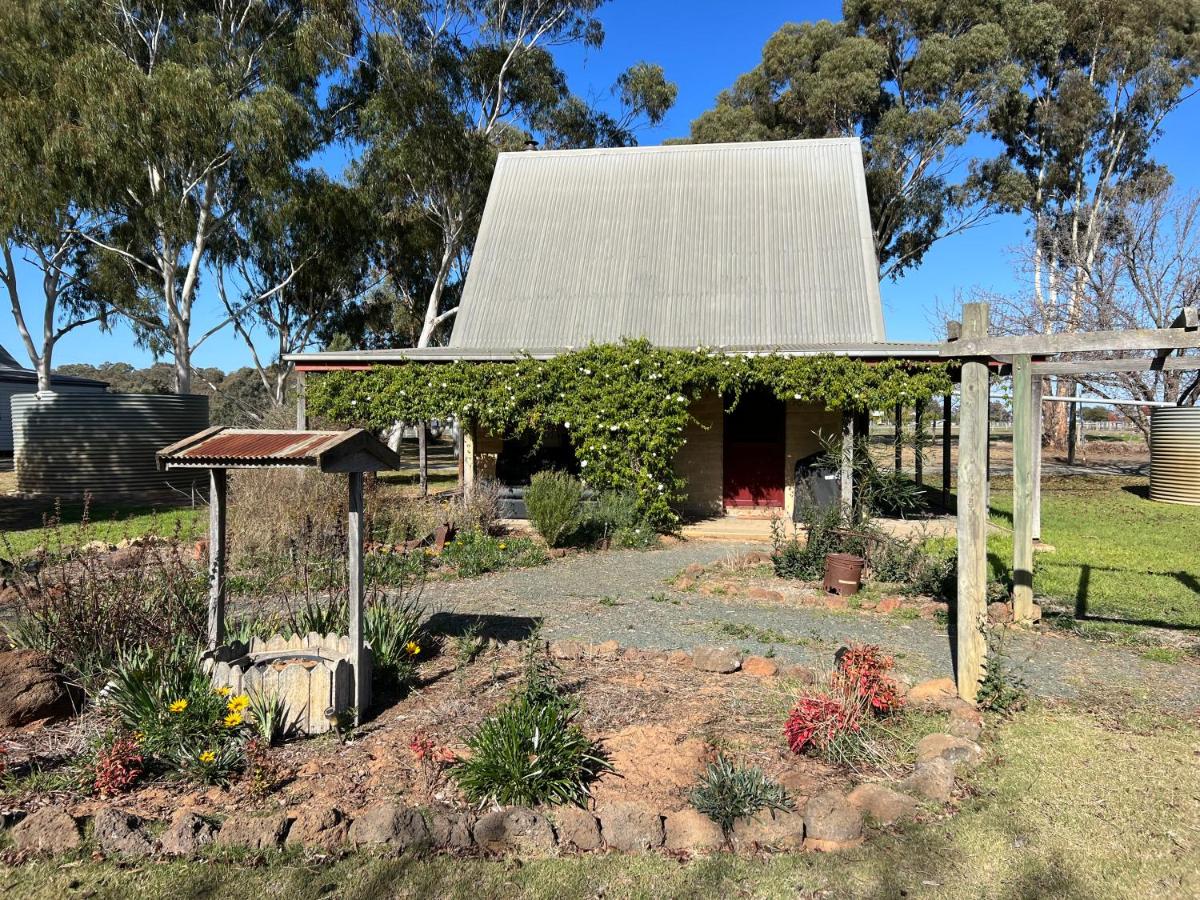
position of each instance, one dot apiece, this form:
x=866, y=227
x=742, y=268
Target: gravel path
x=626, y=596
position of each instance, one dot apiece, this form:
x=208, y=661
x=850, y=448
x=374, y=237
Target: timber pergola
x=1029, y=364
x=352, y=452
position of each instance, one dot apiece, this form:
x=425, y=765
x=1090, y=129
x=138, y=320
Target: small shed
x=353, y=452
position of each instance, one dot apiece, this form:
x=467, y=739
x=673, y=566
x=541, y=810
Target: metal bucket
x=843, y=573
x=1175, y=454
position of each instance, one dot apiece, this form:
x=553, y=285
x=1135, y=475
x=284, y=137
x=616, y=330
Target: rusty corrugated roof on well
x=261, y=445
x=750, y=244
x=354, y=450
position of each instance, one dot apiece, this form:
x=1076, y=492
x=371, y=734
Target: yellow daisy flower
x=178, y=706
x=225, y=691
x=207, y=756
x=233, y=720
x=238, y=703
x=412, y=648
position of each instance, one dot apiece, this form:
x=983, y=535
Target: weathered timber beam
x=1078, y=342
x=1102, y=366
x=1023, y=475
x=970, y=646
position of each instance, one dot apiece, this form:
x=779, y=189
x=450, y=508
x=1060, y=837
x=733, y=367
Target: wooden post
x=847, y=473
x=423, y=457
x=1072, y=426
x=216, y=557
x=1036, y=477
x=946, y=452
x=354, y=535
x=468, y=459
x=898, y=440
x=301, y=402
x=1023, y=415
x=918, y=442
x=972, y=509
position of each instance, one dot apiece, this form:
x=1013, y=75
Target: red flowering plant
x=118, y=766
x=432, y=758
x=837, y=723
x=862, y=670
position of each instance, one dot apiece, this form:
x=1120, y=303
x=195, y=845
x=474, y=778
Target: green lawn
x=1118, y=556
x=1032, y=827
x=21, y=531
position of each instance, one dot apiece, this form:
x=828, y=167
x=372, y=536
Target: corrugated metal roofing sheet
x=298, y=446
x=354, y=450
x=723, y=244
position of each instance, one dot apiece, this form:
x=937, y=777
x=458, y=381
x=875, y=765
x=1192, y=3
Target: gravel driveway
x=626, y=596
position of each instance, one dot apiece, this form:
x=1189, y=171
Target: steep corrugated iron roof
x=757, y=244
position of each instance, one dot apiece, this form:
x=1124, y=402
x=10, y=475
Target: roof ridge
x=639, y=149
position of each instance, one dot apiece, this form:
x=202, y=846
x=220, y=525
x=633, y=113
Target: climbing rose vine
x=624, y=405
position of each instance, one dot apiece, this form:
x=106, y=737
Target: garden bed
x=660, y=719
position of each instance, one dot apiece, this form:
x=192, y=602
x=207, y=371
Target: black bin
x=818, y=485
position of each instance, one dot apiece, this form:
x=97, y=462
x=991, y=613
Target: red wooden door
x=754, y=452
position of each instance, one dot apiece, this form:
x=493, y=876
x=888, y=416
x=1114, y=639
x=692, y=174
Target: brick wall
x=700, y=460
x=806, y=423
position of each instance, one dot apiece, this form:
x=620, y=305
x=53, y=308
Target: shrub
x=1001, y=689
x=474, y=553
x=825, y=535
x=531, y=750
x=75, y=604
x=393, y=628
x=839, y=723
x=727, y=793
x=118, y=766
x=184, y=725
x=479, y=508
x=554, y=501
x=863, y=669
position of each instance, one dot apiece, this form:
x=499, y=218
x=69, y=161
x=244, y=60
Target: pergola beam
x=1186, y=337
x=1104, y=366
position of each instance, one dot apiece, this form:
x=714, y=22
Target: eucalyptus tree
x=913, y=81
x=441, y=87
x=289, y=266
x=197, y=106
x=1101, y=76
x=44, y=183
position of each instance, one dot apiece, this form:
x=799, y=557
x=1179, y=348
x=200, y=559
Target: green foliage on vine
x=625, y=405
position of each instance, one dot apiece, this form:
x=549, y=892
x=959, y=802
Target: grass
x=1119, y=558
x=1033, y=827
x=107, y=523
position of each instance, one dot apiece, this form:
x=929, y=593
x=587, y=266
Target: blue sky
x=703, y=45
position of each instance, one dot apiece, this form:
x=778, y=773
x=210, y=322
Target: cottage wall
x=700, y=459
x=806, y=424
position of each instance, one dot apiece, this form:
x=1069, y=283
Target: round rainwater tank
x=1175, y=454
x=67, y=445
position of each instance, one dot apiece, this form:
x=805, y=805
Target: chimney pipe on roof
x=530, y=143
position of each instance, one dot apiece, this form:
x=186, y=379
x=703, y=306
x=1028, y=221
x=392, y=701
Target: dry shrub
x=478, y=509
x=85, y=606
x=271, y=510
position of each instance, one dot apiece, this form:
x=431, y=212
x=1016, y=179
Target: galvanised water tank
x=1175, y=454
